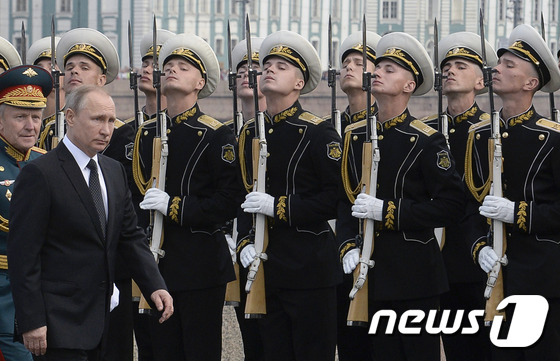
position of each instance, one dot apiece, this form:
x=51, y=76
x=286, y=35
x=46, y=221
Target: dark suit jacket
x=60, y=266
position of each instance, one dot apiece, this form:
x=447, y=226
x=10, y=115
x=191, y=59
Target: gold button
x=51, y=132
x=354, y=138
x=200, y=133
x=452, y=130
x=270, y=131
x=377, y=186
x=477, y=136
x=380, y=137
x=541, y=137
x=268, y=154
x=168, y=131
x=412, y=139
x=376, y=234
x=248, y=132
x=300, y=131
x=505, y=135
x=1, y=168
x=145, y=132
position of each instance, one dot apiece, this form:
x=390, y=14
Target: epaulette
x=327, y=118
x=429, y=118
x=129, y=120
x=485, y=116
x=310, y=118
x=356, y=125
x=38, y=150
x=119, y=123
x=479, y=125
x=422, y=127
x=549, y=124
x=210, y=122
x=228, y=122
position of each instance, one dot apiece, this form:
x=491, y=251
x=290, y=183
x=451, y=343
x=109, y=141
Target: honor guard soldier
x=202, y=192
x=417, y=190
x=461, y=66
x=40, y=54
x=302, y=173
x=23, y=93
x=530, y=204
x=9, y=56
x=252, y=342
x=353, y=342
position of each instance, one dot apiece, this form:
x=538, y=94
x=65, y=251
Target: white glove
x=497, y=208
x=231, y=246
x=350, y=260
x=157, y=200
x=487, y=258
x=247, y=255
x=114, y=298
x=367, y=206
x=258, y=202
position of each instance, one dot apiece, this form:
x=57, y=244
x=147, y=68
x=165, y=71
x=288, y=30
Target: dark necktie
x=95, y=190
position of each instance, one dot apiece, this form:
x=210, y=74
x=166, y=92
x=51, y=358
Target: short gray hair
x=77, y=98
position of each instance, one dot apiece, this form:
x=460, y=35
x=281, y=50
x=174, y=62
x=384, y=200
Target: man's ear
x=409, y=86
x=102, y=80
x=69, y=117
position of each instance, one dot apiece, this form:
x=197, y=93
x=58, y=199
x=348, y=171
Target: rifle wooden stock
x=233, y=288
x=496, y=297
x=136, y=294
x=358, y=310
x=255, y=306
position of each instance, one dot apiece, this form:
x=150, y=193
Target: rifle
x=59, y=115
x=358, y=310
x=23, y=49
x=160, y=152
x=233, y=296
x=255, y=306
x=442, y=116
x=133, y=75
x=494, y=292
x=332, y=73
x=553, y=111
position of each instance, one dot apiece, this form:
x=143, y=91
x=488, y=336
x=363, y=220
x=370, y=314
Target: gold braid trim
x=390, y=216
x=174, y=209
x=142, y=184
x=522, y=216
x=43, y=137
x=476, y=248
x=242, y=244
x=351, y=193
x=345, y=249
x=242, y=164
x=281, y=208
x=4, y=226
x=478, y=192
x=3, y=261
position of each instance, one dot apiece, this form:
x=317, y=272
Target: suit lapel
x=76, y=177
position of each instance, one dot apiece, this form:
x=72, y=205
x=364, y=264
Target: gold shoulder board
x=356, y=125
x=423, y=128
x=485, y=116
x=549, y=124
x=118, y=123
x=310, y=118
x=228, y=122
x=429, y=118
x=480, y=124
x=38, y=150
x=130, y=120
x=210, y=122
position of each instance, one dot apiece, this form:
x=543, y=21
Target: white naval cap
x=147, y=42
x=9, y=56
x=92, y=44
x=239, y=52
x=197, y=52
x=354, y=43
x=466, y=45
x=406, y=51
x=525, y=43
x=41, y=49
x=298, y=51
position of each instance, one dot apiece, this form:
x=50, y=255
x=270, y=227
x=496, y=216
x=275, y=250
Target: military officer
x=40, y=54
x=302, y=175
x=23, y=93
x=530, y=204
x=417, y=189
x=461, y=67
x=353, y=342
x=202, y=192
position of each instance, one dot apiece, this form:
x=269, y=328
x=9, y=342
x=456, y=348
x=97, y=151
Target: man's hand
x=258, y=202
x=487, y=258
x=163, y=302
x=36, y=341
x=247, y=255
x=366, y=206
x=498, y=208
x=155, y=199
x=351, y=260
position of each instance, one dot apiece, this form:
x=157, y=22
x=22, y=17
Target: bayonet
x=232, y=79
x=438, y=87
x=59, y=115
x=23, y=44
x=332, y=73
x=133, y=75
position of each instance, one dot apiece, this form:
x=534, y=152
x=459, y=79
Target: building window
x=21, y=5
x=433, y=9
x=553, y=10
x=315, y=8
x=336, y=8
x=537, y=11
x=219, y=6
x=355, y=9
x=174, y=6
x=457, y=11
x=219, y=47
x=295, y=9
x=253, y=9
x=274, y=8
x=65, y=6
x=203, y=6
x=501, y=10
x=390, y=9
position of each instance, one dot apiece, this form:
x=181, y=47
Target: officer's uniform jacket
x=421, y=191
x=302, y=175
x=459, y=237
x=531, y=179
x=203, y=184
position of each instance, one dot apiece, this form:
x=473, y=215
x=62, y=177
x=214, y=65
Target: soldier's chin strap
x=252, y=274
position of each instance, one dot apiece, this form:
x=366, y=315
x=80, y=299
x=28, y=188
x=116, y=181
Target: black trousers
x=194, y=332
x=299, y=325
x=119, y=342
x=61, y=354
x=401, y=347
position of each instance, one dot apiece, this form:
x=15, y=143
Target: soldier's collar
x=356, y=117
x=184, y=116
x=283, y=115
x=464, y=115
x=396, y=120
x=13, y=152
x=48, y=119
x=520, y=118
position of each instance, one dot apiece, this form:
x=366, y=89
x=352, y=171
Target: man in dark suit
x=64, y=265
